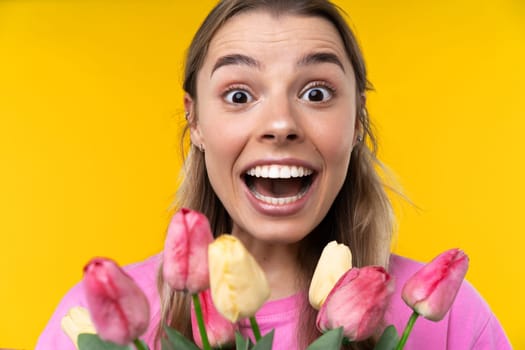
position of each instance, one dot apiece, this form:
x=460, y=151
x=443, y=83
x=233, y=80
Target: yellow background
x=90, y=110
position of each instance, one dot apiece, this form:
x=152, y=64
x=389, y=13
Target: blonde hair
x=360, y=216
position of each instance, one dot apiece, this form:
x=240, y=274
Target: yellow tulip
x=335, y=260
x=77, y=321
x=238, y=284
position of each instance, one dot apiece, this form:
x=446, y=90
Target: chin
x=273, y=233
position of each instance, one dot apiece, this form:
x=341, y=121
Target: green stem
x=200, y=321
x=407, y=330
x=139, y=345
x=255, y=327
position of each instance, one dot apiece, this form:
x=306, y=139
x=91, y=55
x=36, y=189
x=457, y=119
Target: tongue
x=277, y=187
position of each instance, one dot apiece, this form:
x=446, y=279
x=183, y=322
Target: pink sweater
x=469, y=325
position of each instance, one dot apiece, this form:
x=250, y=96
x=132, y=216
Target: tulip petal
x=185, y=258
x=118, y=307
x=238, y=284
x=220, y=331
x=357, y=302
x=75, y=322
x=335, y=260
x=432, y=290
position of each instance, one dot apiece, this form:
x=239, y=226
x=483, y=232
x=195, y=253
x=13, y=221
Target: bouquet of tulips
x=227, y=285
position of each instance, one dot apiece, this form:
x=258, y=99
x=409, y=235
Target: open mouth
x=278, y=184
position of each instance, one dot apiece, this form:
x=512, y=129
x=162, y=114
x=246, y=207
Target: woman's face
x=275, y=113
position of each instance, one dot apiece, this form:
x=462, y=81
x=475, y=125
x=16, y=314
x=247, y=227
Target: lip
x=280, y=209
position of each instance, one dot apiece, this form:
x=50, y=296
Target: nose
x=280, y=124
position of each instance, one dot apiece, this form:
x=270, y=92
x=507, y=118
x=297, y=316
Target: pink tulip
x=185, y=264
x=220, y=331
x=357, y=302
x=118, y=307
x=432, y=290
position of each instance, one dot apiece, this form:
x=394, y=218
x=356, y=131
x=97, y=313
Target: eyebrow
x=320, y=57
x=309, y=59
x=235, y=59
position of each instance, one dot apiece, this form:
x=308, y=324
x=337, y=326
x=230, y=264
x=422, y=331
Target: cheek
x=220, y=162
x=339, y=163
x=223, y=142
x=335, y=142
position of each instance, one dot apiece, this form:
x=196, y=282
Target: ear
x=191, y=117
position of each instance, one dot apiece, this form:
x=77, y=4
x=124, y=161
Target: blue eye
x=238, y=97
x=317, y=94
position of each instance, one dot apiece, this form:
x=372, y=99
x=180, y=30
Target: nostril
x=280, y=137
x=268, y=136
x=273, y=137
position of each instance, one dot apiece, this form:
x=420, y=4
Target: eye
x=238, y=96
x=318, y=93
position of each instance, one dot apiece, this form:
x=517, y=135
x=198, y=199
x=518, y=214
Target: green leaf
x=331, y=340
x=140, y=344
x=388, y=340
x=165, y=344
x=177, y=341
x=242, y=343
x=93, y=342
x=265, y=343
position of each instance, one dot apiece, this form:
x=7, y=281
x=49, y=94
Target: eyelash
x=237, y=87
x=322, y=84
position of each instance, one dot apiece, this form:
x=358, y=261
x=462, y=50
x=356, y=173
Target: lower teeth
x=279, y=201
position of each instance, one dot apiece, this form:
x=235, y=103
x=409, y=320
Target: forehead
x=259, y=31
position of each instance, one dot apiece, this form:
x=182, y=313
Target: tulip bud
x=238, y=284
x=118, y=307
x=220, y=331
x=185, y=258
x=432, y=290
x=77, y=321
x=335, y=260
x=357, y=303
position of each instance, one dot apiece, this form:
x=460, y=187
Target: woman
x=283, y=157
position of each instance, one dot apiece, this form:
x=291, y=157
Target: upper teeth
x=279, y=171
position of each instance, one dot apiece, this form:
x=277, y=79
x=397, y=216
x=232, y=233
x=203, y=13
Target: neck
x=279, y=262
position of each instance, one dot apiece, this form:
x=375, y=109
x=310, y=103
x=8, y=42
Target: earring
x=186, y=115
x=359, y=138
